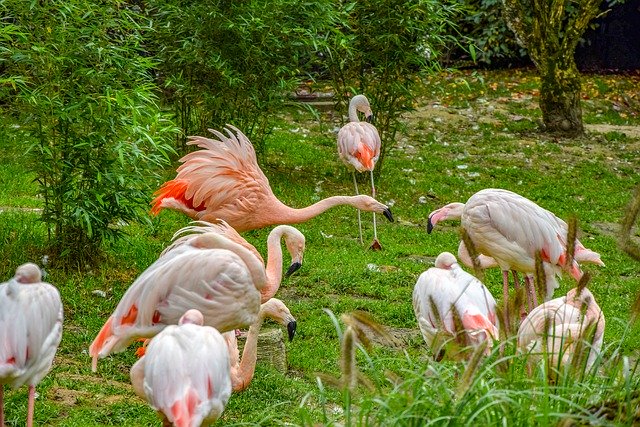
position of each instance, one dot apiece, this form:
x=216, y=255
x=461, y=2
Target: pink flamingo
x=294, y=241
x=359, y=149
x=210, y=273
x=224, y=181
x=242, y=370
x=184, y=374
x=30, y=332
x=446, y=287
x=509, y=229
x=561, y=324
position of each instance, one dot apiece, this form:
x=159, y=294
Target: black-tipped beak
x=291, y=329
x=429, y=226
x=369, y=118
x=387, y=214
x=293, y=268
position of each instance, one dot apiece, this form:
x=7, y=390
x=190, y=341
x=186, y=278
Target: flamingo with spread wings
x=446, y=287
x=359, y=149
x=184, y=374
x=224, y=181
x=30, y=331
x=509, y=229
x=220, y=278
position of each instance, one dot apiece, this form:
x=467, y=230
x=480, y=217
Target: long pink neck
x=247, y=366
x=274, y=267
x=279, y=213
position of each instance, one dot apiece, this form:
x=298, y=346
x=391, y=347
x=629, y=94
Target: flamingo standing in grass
x=293, y=238
x=224, y=181
x=242, y=370
x=220, y=278
x=30, y=331
x=508, y=229
x=184, y=374
x=446, y=287
x=359, y=149
x=564, y=325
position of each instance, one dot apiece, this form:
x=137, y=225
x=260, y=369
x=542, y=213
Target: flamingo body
x=224, y=181
x=446, y=287
x=30, y=331
x=561, y=323
x=184, y=373
x=210, y=273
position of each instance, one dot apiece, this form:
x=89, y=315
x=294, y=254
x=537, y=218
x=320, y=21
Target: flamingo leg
x=31, y=405
x=373, y=194
x=355, y=183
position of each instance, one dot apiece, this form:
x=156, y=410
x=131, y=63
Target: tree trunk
x=560, y=97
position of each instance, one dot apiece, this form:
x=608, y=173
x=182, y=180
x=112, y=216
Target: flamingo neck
x=283, y=214
x=274, y=266
x=247, y=366
x=353, y=112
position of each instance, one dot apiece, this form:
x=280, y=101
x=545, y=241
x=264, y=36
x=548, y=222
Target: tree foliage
x=95, y=134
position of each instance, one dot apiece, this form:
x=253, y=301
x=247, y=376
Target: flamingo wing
x=214, y=281
x=186, y=374
x=359, y=145
x=221, y=180
x=31, y=318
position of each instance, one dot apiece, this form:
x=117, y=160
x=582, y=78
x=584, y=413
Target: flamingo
x=446, y=287
x=359, y=149
x=223, y=180
x=184, y=374
x=242, y=370
x=293, y=238
x=509, y=229
x=220, y=278
x=562, y=323
x=30, y=332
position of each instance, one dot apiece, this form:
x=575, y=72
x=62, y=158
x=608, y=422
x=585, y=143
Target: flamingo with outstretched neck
x=509, y=229
x=224, y=181
x=359, y=149
x=30, y=331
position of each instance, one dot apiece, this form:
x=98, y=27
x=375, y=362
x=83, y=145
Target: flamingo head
x=446, y=260
x=28, y=273
x=276, y=310
x=295, y=242
x=452, y=210
x=192, y=316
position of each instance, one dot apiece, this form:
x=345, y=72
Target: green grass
x=472, y=130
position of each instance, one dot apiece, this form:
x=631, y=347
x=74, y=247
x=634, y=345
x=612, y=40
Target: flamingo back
x=359, y=145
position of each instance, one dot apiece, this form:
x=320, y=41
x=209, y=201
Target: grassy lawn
x=470, y=130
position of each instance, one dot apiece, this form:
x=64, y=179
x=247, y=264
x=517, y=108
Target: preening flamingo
x=184, y=374
x=446, y=287
x=294, y=241
x=564, y=325
x=210, y=273
x=224, y=181
x=242, y=370
x=30, y=331
x=509, y=229
x=359, y=149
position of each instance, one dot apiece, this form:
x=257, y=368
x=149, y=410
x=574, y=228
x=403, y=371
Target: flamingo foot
x=375, y=245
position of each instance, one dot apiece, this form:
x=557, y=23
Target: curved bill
x=293, y=268
x=429, y=226
x=291, y=329
x=387, y=214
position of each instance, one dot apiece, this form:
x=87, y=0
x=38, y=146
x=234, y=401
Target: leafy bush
x=97, y=137
x=231, y=62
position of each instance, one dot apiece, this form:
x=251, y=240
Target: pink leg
x=31, y=404
x=505, y=289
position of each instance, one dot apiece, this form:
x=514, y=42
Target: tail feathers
x=175, y=189
x=586, y=255
x=99, y=343
x=183, y=411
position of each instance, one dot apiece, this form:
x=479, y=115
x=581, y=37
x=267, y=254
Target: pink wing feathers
x=359, y=145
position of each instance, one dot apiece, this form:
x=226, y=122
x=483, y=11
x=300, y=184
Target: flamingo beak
x=293, y=268
x=387, y=214
x=291, y=329
x=369, y=118
x=429, y=226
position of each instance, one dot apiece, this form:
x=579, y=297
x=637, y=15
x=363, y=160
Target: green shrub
x=96, y=135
